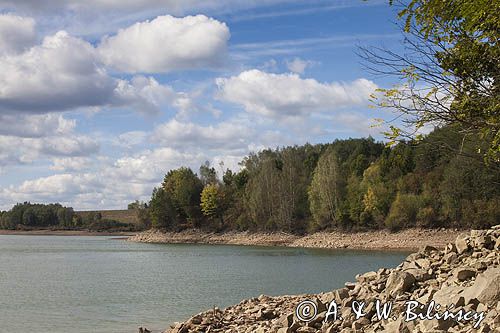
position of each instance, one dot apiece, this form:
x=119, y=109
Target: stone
x=463, y=274
x=435, y=325
x=450, y=258
x=483, y=241
x=486, y=288
x=284, y=330
x=462, y=244
x=397, y=325
x=449, y=295
x=399, y=282
x=419, y=274
x=286, y=320
x=369, y=276
x=340, y=294
x=428, y=249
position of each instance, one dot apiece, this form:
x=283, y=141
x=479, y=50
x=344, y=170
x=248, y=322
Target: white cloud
x=16, y=33
x=65, y=73
x=166, y=44
x=113, y=186
x=69, y=164
x=74, y=145
x=144, y=94
x=60, y=74
x=131, y=139
x=16, y=150
x=288, y=95
x=35, y=126
x=225, y=135
x=298, y=65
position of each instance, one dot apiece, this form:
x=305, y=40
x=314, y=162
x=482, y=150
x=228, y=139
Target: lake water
x=98, y=284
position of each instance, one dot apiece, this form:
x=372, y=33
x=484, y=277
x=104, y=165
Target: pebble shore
x=409, y=239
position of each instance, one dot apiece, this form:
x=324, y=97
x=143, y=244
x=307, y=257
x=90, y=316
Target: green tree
x=213, y=202
x=449, y=72
x=183, y=187
x=326, y=192
x=162, y=211
x=208, y=175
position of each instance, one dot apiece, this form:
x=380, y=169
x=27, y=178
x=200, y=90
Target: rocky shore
x=410, y=239
x=465, y=274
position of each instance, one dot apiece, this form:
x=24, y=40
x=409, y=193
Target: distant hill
x=128, y=216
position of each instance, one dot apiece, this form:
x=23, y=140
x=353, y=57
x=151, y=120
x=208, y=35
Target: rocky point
x=463, y=280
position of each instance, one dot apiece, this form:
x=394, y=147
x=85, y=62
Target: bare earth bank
x=410, y=239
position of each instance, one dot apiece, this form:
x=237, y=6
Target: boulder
x=419, y=274
x=462, y=244
x=399, y=282
x=486, y=288
x=428, y=249
x=464, y=273
x=449, y=295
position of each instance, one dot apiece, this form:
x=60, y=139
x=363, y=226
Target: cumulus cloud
x=35, y=126
x=15, y=150
x=288, y=95
x=60, y=74
x=298, y=65
x=116, y=184
x=69, y=164
x=225, y=135
x=65, y=73
x=166, y=44
x=16, y=33
x=144, y=94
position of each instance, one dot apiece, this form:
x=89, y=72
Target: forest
x=28, y=216
x=353, y=184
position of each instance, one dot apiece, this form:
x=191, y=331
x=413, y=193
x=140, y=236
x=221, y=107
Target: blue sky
x=98, y=100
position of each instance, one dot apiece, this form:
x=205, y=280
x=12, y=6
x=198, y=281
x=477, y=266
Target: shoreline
x=466, y=273
x=405, y=240
x=47, y=232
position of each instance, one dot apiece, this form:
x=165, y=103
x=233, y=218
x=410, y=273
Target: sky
x=99, y=99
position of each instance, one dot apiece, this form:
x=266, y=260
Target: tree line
x=55, y=216
x=354, y=184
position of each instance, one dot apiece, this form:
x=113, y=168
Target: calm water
x=96, y=284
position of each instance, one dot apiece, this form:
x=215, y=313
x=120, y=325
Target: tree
x=183, y=188
x=326, y=192
x=136, y=205
x=449, y=72
x=162, y=211
x=208, y=175
x=213, y=202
